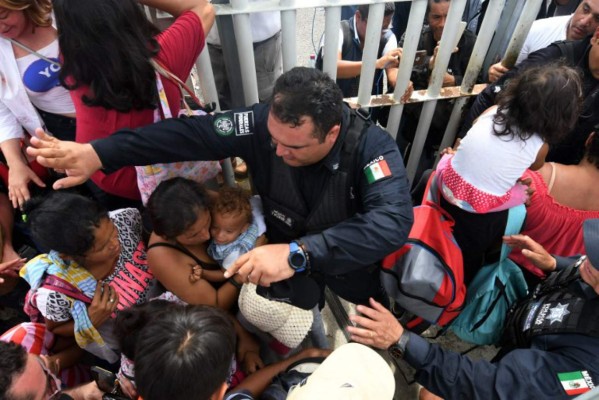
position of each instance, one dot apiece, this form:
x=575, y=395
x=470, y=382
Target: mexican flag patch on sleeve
x=377, y=170
x=575, y=383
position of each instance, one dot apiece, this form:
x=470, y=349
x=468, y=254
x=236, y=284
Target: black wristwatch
x=297, y=257
x=398, y=349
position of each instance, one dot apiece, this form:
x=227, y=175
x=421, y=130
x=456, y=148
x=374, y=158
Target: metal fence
x=236, y=15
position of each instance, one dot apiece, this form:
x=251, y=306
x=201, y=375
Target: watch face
x=297, y=260
x=396, y=352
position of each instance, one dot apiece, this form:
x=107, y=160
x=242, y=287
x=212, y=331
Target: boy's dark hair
x=233, y=200
x=389, y=9
x=64, y=222
x=184, y=354
x=13, y=359
x=175, y=205
x=307, y=92
x=131, y=321
x=545, y=100
x=428, y=5
x=107, y=45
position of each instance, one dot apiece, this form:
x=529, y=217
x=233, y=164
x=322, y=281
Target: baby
x=233, y=230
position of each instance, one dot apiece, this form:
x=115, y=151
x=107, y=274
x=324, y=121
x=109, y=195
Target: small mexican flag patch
x=377, y=171
x=574, y=383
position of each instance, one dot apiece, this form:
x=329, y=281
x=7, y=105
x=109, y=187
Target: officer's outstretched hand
x=263, y=265
x=79, y=160
x=375, y=326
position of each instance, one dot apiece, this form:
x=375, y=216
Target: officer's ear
x=332, y=134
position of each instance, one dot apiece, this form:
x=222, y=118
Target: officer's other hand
x=590, y=275
x=79, y=160
x=376, y=327
x=263, y=265
x=533, y=251
x=496, y=71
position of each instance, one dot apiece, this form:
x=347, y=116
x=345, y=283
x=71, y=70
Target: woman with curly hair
x=481, y=180
x=108, y=48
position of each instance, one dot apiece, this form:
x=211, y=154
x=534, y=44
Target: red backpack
x=426, y=275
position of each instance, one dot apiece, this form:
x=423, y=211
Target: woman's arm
x=172, y=269
x=203, y=9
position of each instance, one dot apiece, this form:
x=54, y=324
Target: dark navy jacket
x=521, y=374
x=385, y=216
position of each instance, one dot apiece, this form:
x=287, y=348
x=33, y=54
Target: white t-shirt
x=390, y=45
x=542, y=33
x=40, y=79
x=505, y=158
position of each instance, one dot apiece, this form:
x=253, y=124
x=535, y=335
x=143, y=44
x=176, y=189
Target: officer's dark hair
x=64, y=222
x=175, y=206
x=184, y=354
x=302, y=92
x=389, y=9
x=428, y=5
x=13, y=359
x=591, y=151
x=545, y=100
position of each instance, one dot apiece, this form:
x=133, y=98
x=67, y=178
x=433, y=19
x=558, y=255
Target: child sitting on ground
x=233, y=229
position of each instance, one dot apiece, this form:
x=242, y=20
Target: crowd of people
x=209, y=292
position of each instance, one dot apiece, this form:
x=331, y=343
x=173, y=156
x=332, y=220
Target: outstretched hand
x=11, y=268
x=533, y=251
x=78, y=160
x=263, y=265
x=377, y=326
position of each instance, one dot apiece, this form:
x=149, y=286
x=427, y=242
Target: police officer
x=552, y=337
x=334, y=188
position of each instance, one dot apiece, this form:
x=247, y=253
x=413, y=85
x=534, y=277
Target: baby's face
x=226, y=228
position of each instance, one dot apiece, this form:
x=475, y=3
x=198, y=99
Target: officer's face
x=296, y=145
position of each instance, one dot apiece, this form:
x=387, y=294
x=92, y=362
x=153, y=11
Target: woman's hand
x=533, y=251
x=377, y=326
x=11, y=268
x=103, y=305
x=248, y=352
x=19, y=176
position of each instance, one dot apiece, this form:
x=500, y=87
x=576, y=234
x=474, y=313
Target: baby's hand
x=196, y=274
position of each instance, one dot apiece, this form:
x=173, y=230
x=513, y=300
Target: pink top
x=180, y=46
x=556, y=227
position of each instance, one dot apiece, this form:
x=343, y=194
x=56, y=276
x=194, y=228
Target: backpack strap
x=515, y=220
x=345, y=48
x=60, y=285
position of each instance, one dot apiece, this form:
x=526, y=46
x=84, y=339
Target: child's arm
x=214, y=276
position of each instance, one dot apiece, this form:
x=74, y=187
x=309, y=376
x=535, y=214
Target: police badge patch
x=223, y=125
x=244, y=123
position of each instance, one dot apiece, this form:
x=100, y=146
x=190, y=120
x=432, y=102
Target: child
x=233, y=230
x=537, y=108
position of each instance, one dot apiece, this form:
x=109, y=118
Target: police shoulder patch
x=223, y=125
x=244, y=123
